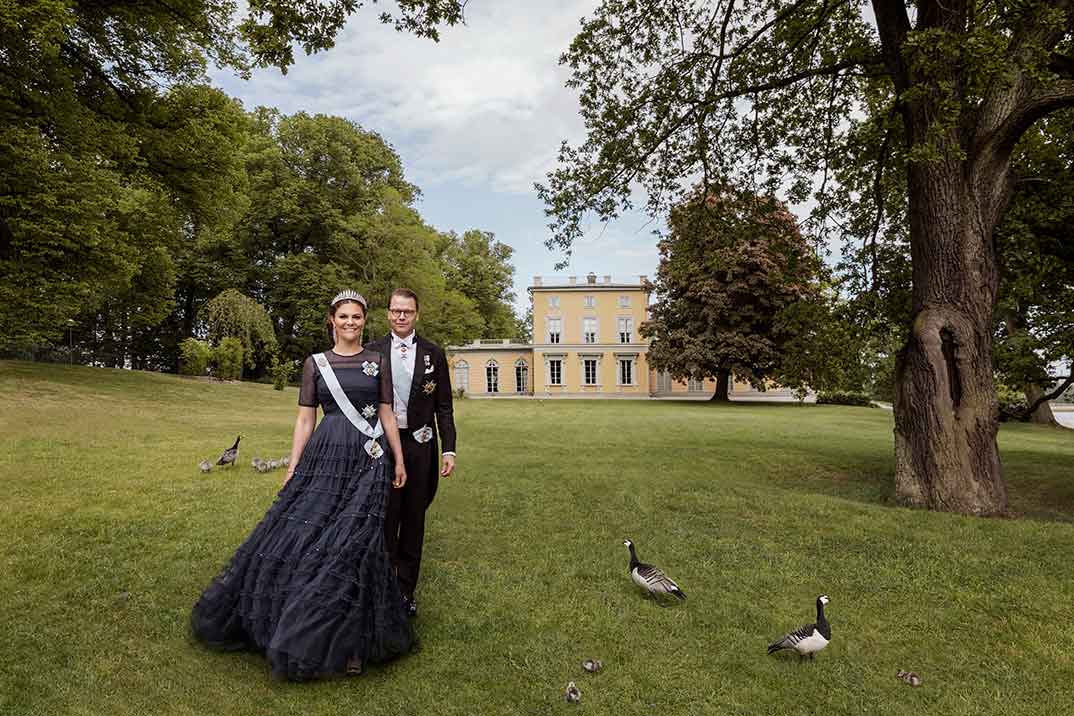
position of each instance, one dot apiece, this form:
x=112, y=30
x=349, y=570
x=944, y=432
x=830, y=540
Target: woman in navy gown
x=312, y=587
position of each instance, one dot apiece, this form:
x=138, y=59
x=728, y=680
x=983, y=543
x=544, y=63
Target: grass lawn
x=108, y=534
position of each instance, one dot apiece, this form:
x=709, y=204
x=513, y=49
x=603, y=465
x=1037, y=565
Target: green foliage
x=1012, y=402
x=479, y=267
x=282, y=371
x=233, y=315
x=195, y=356
x=836, y=397
x=731, y=269
x=228, y=358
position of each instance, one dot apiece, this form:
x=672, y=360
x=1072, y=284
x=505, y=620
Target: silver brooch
x=374, y=449
x=370, y=368
x=369, y=411
x=423, y=434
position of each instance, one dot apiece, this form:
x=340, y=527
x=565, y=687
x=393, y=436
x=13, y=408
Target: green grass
x=754, y=509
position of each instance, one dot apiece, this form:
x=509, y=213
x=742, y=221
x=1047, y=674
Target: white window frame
x=585, y=371
x=632, y=359
x=588, y=336
x=462, y=370
x=624, y=301
x=589, y=301
x=492, y=376
x=523, y=385
x=554, y=336
x=553, y=302
x=626, y=328
x=548, y=361
x=695, y=386
x=596, y=358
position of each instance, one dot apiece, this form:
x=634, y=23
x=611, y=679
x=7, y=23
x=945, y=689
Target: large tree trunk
x=1043, y=414
x=723, y=387
x=946, y=416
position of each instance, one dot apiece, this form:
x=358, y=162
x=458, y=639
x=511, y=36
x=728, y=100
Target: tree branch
x=1046, y=397
x=893, y=25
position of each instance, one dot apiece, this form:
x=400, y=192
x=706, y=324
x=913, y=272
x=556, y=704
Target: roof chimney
x=536, y=280
x=572, y=280
x=607, y=279
x=591, y=278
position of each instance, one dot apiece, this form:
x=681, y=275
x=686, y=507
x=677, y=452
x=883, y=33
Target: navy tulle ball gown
x=312, y=587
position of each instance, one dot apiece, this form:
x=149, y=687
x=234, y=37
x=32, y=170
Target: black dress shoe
x=410, y=607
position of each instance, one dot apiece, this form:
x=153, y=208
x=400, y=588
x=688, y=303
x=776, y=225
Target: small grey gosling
x=650, y=578
x=573, y=695
x=909, y=677
x=205, y=465
x=809, y=639
x=228, y=458
x=254, y=461
x=592, y=665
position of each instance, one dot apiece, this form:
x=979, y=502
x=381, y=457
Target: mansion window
x=555, y=372
x=624, y=302
x=555, y=328
x=589, y=301
x=589, y=330
x=522, y=374
x=492, y=376
x=694, y=385
x=626, y=371
x=626, y=329
x=462, y=376
x=553, y=301
x=589, y=371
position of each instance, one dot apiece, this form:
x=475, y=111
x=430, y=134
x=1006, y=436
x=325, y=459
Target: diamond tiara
x=349, y=295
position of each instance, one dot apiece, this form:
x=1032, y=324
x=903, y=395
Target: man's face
x=402, y=315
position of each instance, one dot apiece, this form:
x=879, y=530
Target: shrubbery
x=228, y=358
x=1012, y=403
x=836, y=397
x=195, y=356
x=281, y=372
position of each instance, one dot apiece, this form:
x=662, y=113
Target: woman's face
x=348, y=320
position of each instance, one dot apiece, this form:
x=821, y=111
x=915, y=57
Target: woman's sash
x=347, y=407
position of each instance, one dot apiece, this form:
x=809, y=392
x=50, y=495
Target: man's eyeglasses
x=401, y=312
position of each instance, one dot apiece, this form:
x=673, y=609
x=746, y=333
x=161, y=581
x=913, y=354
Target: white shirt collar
x=409, y=340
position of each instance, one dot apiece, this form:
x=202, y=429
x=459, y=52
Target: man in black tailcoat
x=423, y=410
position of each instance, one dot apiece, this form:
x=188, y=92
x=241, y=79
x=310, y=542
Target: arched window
x=522, y=376
x=492, y=376
x=462, y=376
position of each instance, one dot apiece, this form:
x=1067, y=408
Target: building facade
x=585, y=344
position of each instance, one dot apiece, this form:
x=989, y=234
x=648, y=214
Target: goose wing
x=792, y=639
x=654, y=579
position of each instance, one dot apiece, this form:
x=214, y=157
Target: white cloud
x=485, y=106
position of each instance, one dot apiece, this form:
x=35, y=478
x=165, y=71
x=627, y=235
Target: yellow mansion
x=585, y=344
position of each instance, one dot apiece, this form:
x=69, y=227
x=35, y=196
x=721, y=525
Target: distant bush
x=1012, y=403
x=460, y=393
x=281, y=371
x=195, y=356
x=836, y=397
x=228, y=357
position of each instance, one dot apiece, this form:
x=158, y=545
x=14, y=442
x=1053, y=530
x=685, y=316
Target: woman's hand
x=400, y=475
x=290, y=474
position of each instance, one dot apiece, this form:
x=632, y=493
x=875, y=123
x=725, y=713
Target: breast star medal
x=429, y=387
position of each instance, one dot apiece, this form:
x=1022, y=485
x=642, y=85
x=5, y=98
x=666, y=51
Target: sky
x=476, y=118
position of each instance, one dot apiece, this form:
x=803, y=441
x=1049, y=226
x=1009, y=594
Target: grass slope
x=108, y=533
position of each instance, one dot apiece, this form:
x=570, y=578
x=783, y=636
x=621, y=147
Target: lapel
x=419, y=370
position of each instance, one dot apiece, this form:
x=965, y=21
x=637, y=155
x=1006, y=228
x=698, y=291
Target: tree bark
x=946, y=415
x=1043, y=414
x=723, y=387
